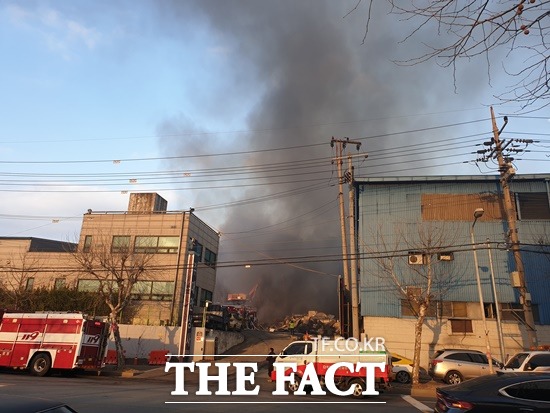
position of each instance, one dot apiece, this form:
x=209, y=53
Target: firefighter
x=270, y=360
x=291, y=327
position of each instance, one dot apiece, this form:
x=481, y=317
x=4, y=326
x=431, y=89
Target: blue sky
x=186, y=89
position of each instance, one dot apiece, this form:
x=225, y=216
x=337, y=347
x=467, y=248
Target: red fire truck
x=43, y=341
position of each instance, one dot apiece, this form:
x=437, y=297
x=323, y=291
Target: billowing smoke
x=296, y=73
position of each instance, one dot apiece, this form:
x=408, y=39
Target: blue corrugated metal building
x=397, y=216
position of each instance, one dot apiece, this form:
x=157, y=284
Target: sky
x=229, y=108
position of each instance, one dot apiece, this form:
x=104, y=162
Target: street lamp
x=204, y=313
x=495, y=298
x=478, y=213
x=204, y=327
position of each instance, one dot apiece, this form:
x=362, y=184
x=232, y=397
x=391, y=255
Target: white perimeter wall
x=399, y=336
x=138, y=341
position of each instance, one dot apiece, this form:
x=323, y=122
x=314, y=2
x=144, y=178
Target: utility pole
x=349, y=260
x=506, y=173
x=354, y=261
x=345, y=316
x=339, y=149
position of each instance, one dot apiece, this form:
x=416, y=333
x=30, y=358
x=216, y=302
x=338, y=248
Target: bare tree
x=412, y=268
x=116, y=272
x=17, y=276
x=471, y=28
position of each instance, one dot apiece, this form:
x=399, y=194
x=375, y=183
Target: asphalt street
x=146, y=388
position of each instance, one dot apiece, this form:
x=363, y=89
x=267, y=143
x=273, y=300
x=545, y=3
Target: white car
x=538, y=360
x=401, y=368
x=402, y=373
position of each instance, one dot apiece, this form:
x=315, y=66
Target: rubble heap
x=315, y=323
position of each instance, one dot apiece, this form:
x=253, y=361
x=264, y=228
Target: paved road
x=151, y=390
x=89, y=394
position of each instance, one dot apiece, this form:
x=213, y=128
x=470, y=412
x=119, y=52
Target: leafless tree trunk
x=419, y=285
x=16, y=274
x=116, y=274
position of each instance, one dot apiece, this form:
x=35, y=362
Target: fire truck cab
x=40, y=342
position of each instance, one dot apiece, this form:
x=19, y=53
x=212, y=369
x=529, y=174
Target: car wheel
x=453, y=377
x=40, y=365
x=358, y=386
x=293, y=386
x=402, y=376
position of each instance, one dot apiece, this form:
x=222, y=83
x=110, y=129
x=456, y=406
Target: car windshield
x=516, y=361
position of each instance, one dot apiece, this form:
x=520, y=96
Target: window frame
x=153, y=244
x=466, y=327
x=87, y=244
x=116, y=249
x=210, y=258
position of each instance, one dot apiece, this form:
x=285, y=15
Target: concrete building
x=398, y=217
x=147, y=227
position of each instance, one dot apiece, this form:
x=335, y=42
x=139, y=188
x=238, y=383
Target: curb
x=425, y=390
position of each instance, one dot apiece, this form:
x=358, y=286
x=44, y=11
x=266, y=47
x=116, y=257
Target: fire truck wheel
x=295, y=385
x=358, y=386
x=40, y=364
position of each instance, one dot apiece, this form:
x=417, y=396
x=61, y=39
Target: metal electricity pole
x=506, y=173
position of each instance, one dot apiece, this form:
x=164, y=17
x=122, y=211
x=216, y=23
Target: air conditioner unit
x=445, y=256
x=416, y=259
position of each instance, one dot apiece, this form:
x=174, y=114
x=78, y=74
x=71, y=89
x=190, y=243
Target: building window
x=87, y=243
x=59, y=284
x=168, y=245
x=162, y=290
x=459, y=207
x=205, y=296
x=198, y=248
x=209, y=258
x=29, y=284
x=153, y=290
x=88, y=285
x=514, y=312
x=450, y=309
x=121, y=243
x=461, y=326
x=460, y=309
x=156, y=245
x=533, y=205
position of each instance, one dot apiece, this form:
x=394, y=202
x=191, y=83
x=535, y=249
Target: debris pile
x=315, y=323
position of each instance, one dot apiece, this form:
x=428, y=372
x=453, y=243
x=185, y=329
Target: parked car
x=506, y=392
x=455, y=365
x=24, y=404
x=401, y=368
x=528, y=361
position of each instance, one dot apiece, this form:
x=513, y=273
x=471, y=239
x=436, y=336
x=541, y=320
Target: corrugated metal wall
x=390, y=214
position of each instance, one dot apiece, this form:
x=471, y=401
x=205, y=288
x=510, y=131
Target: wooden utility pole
x=339, y=160
x=506, y=173
x=349, y=260
x=354, y=261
